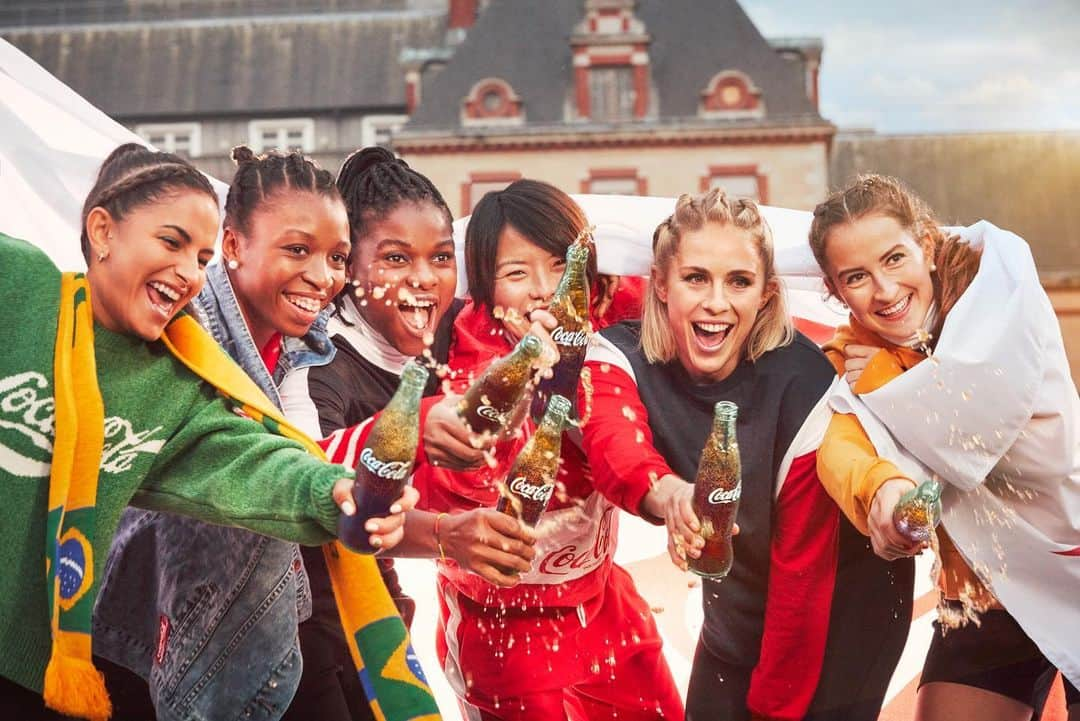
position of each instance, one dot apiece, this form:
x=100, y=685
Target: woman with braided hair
x=716, y=328
x=134, y=403
x=400, y=305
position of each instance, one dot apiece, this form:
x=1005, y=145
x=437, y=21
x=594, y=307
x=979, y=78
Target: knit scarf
x=377, y=637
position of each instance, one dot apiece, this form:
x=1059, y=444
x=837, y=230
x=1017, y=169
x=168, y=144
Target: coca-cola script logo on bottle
x=488, y=412
x=530, y=492
x=725, y=495
x=569, y=337
x=392, y=470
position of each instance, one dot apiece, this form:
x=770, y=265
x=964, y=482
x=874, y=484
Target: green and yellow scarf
x=377, y=637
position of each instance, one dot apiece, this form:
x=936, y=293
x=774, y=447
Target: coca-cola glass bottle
x=531, y=480
x=570, y=306
x=386, y=461
x=918, y=512
x=489, y=404
x=717, y=488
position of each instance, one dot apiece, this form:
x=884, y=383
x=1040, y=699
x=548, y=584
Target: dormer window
x=492, y=101
x=611, y=63
x=731, y=94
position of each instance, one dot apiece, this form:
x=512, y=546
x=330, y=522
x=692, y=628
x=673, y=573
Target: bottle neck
x=723, y=430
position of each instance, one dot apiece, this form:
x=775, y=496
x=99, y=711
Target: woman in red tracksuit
x=572, y=639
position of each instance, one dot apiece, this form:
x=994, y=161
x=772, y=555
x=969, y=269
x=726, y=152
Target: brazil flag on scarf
x=377, y=637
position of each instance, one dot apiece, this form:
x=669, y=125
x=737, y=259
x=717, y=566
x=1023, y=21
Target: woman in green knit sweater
x=172, y=441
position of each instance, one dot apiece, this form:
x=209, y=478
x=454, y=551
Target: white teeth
x=713, y=327
x=303, y=303
x=896, y=307
x=165, y=290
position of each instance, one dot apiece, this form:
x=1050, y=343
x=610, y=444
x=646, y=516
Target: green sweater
x=171, y=444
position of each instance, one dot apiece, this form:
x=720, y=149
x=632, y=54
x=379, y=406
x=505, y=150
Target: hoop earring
x=233, y=264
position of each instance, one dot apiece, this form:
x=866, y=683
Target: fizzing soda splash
x=918, y=512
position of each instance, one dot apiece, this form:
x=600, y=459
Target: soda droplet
x=378, y=292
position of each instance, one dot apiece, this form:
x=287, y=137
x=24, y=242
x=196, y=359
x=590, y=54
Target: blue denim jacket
x=206, y=614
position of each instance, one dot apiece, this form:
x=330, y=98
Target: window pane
x=611, y=93
x=736, y=186
x=614, y=186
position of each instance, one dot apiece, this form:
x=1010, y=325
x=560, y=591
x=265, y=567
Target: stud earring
x=233, y=264
x=102, y=255
x=933, y=267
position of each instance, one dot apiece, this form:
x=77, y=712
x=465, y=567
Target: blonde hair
x=772, y=327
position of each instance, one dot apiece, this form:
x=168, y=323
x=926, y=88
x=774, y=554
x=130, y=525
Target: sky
x=923, y=66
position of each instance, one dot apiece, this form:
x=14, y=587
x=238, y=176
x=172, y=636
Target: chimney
x=462, y=14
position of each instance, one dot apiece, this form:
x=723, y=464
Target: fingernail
x=376, y=541
x=371, y=526
x=396, y=508
x=348, y=508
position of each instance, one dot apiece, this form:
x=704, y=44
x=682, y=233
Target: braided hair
x=134, y=175
x=259, y=178
x=772, y=328
x=373, y=182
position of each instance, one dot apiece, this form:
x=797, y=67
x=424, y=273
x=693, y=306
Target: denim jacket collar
x=219, y=312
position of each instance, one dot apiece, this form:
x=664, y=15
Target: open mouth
x=896, y=310
x=711, y=335
x=417, y=313
x=305, y=304
x=163, y=298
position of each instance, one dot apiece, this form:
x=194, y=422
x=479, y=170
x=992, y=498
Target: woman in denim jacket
x=216, y=635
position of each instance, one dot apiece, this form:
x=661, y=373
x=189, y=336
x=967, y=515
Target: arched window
x=731, y=93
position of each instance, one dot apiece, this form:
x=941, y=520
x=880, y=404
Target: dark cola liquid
x=378, y=484
x=526, y=501
x=717, y=519
x=565, y=374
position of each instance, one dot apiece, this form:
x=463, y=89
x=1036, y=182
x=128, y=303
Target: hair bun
x=242, y=155
x=362, y=161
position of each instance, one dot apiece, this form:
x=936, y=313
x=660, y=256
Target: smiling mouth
x=711, y=335
x=310, y=306
x=895, y=310
x=163, y=298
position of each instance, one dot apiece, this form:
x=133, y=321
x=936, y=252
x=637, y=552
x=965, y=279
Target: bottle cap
x=531, y=346
x=726, y=410
x=414, y=374
x=577, y=252
x=558, y=406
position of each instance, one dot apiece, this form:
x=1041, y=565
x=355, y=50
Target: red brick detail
x=411, y=94
x=483, y=177
x=581, y=90
x=506, y=105
x=762, y=180
x=615, y=174
x=730, y=90
x=462, y=13
x=641, y=90
x=598, y=59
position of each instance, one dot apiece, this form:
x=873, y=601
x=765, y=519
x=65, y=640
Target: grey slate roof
x=1028, y=183
x=19, y=13
x=212, y=65
x=527, y=43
